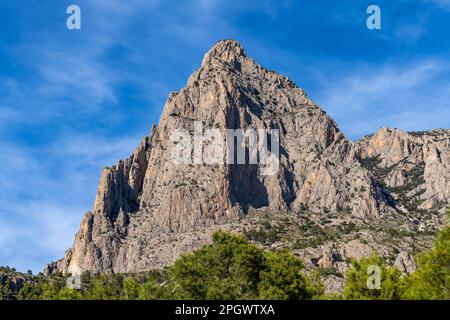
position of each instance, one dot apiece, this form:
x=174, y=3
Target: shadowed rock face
x=149, y=210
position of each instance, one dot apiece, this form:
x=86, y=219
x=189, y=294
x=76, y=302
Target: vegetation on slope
x=229, y=268
x=233, y=268
x=430, y=281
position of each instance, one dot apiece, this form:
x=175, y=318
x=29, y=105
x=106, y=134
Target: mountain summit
x=149, y=210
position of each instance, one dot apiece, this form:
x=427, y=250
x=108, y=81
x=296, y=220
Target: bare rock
x=149, y=210
x=334, y=284
x=411, y=164
x=356, y=249
x=328, y=258
x=405, y=263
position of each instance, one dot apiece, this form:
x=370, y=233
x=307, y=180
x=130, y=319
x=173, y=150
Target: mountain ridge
x=149, y=211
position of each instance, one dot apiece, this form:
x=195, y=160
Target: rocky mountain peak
x=226, y=51
x=149, y=210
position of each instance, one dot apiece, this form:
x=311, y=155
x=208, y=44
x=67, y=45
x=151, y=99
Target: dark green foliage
x=11, y=282
x=430, y=281
x=229, y=268
x=356, y=287
x=263, y=236
x=232, y=268
x=316, y=235
x=371, y=163
x=347, y=228
x=397, y=233
x=282, y=279
x=402, y=194
x=329, y=272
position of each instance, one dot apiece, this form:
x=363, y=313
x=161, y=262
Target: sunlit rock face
x=149, y=210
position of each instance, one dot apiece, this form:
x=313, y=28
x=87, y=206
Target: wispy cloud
x=444, y=4
x=49, y=189
x=36, y=230
x=366, y=98
x=74, y=101
x=75, y=89
x=77, y=78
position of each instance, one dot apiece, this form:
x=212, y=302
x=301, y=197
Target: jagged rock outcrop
x=149, y=210
x=12, y=281
x=405, y=263
x=414, y=166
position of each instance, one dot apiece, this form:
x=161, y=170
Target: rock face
x=149, y=210
x=415, y=166
x=11, y=282
x=405, y=263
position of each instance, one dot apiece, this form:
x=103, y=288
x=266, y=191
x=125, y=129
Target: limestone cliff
x=149, y=210
x=414, y=166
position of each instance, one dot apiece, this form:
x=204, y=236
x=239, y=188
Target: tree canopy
x=232, y=268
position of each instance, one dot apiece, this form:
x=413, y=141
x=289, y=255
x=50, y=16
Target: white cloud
x=51, y=184
x=76, y=77
x=89, y=149
x=49, y=189
x=411, y=96
x=42, y=224
x=38, y=230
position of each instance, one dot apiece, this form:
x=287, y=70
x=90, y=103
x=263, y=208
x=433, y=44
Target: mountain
x=414, y=166
x=150, y=210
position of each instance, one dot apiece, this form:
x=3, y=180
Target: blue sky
x=74, y=101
